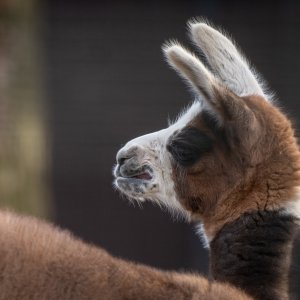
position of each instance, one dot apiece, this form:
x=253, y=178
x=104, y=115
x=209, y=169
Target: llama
x=41, y=262
x=230, y=163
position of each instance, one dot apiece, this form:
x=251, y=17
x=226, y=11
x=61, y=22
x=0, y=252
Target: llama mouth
x=142, y=176
x=135, y=179
x=142, y=173
x=135, y=183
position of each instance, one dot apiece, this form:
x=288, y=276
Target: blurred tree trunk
x=23, y=156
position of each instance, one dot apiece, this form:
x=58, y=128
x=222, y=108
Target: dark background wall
x=107, y=83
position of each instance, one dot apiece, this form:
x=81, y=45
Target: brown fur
x=39, y=261
x=253, y=166
x=248, y=169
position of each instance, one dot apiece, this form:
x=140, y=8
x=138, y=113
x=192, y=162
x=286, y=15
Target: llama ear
x=191, y=69
x=223, y=102
x=225, y=60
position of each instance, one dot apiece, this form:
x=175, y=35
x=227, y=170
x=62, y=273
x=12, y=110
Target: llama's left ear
x=225, y=104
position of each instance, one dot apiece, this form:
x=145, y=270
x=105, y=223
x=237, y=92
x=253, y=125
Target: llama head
x=232, y=151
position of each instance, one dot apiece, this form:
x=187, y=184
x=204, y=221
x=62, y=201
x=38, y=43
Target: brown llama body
x=41, y=262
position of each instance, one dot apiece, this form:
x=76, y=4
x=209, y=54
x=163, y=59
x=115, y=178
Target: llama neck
x=254, y=254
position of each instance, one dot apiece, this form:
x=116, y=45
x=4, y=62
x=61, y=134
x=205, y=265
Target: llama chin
x=229, y=161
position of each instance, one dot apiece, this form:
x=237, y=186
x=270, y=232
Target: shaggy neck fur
x=254, y=253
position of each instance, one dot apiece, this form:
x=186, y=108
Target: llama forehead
x=184, y=119
x=187, y=115
x=159, y=139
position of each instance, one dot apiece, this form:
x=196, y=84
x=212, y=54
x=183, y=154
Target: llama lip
x=133, y=182
x=132, y=186
x=142, y=173
x=143, y=176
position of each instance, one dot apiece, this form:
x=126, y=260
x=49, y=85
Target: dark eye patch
x=188, y=145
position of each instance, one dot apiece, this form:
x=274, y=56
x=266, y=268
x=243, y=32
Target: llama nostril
x=124, y=155
x=121, y=160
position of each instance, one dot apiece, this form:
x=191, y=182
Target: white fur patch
x=293, y=207
x=203, y=237
x=187, y=116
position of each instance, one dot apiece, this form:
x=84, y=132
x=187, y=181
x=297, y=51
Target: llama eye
x=188, y=145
